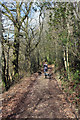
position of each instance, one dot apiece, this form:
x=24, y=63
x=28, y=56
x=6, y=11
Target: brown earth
x=36, y=97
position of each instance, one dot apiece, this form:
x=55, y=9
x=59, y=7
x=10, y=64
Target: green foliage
x=63, y=38
x=76, y=77
x=16, y=75
x=34, y=66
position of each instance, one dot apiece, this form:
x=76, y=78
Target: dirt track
x=41, y=99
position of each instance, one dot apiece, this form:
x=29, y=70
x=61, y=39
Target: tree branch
x=7, y=11
x=7, y=16
x=24, y=17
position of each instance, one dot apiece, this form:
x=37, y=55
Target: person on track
x=45, y=69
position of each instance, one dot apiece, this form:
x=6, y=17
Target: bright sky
x=43, y=0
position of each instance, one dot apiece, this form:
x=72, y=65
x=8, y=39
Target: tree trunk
x=65, y=62
x=3, y=56
x=16, y=54
x=8, y=77
x=67, y=50
x=4, y=68
x=38, y=59
x=67, y=58
x=56, y=54
x=28, y=63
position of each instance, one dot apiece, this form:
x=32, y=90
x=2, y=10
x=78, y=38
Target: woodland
x=32, y=32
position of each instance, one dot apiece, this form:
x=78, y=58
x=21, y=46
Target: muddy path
x=37, y=98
